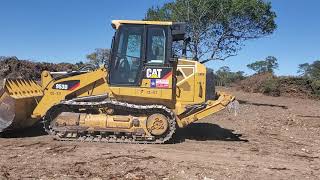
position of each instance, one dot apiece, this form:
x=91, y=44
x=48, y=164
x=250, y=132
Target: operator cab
x=140, y=44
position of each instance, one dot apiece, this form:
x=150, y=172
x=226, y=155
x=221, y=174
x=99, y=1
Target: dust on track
x=271, y=138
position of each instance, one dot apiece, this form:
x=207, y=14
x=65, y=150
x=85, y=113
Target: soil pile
x=271, y=85
x=12, y=67
x=296, y=87
x=255, y=83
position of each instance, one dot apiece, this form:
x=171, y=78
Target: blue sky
x=67, y=30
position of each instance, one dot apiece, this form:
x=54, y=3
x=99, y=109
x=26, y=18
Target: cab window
x=156, y=45
x=127, y=56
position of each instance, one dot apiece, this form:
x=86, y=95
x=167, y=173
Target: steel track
x=97, y=136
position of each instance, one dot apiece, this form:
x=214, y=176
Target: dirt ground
x=271, y=138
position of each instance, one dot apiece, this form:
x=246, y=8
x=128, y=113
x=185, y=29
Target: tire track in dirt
x=271, y=138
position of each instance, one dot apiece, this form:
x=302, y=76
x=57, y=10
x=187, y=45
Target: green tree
x=304, y=69
x=267, y=65
x=310, y=70
x=218, y=28
x=225, y=76
x=258, y=66
x=99, y=57
x=315, y=70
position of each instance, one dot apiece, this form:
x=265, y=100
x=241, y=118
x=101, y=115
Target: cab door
x=141, y=67
x=158, y=70
x=127, y=56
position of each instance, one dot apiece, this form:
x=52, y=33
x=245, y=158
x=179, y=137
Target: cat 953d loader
x=141, y=95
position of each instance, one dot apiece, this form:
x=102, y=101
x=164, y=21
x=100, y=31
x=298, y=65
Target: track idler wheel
x=157, y=124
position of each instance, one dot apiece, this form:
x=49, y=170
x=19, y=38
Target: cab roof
x=117, y=23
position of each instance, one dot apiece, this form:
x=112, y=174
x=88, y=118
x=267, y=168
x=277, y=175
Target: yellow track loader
x=141, y=95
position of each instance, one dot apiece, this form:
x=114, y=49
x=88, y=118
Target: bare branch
x=220, y=59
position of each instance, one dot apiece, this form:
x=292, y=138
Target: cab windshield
x=127, y=57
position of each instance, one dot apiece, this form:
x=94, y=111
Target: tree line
x=217, y=28
x=310, y=71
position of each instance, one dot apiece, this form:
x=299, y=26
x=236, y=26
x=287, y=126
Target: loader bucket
x=18, y=99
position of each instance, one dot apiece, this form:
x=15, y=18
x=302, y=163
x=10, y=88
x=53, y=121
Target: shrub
x=225, y=77
x=268, y=84
x=271, y=87
x=316, y=87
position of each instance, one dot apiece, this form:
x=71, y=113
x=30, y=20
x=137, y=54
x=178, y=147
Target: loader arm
x=86, y=84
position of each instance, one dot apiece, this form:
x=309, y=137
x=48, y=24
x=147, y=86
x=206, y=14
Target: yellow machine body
x=28, y=102
x=24, y=102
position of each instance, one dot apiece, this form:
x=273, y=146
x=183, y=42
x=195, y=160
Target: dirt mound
x=12, y=67
x=271, y=85
x=296, y=87
x=257, y=83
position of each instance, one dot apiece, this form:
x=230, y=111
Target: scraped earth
x=271, y=138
